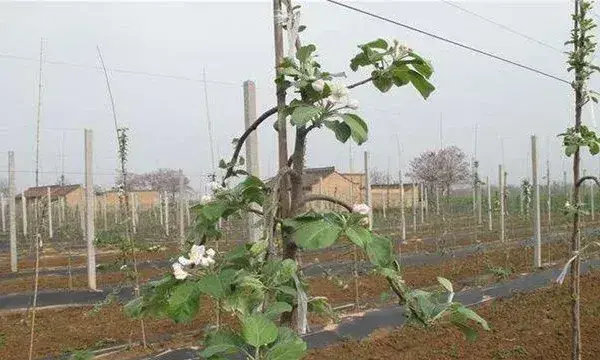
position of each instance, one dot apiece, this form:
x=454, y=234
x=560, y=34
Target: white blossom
x=205, y=199
x=178, y=271
x=400, y=50
x=210, y=253
x=352, y=104
x=318, y=85
x=215, y=186
x=363, y=209
x=123, y=267
x=339, y=92
x=206, y=261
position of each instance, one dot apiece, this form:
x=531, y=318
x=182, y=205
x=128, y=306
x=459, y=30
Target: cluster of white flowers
x=400, y=50
x=205, y=199
x=363, y=209
x=339, y=93
x=198, y=256
x=215, y=186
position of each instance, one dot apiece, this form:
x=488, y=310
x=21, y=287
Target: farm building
x=350, y=187
x=144, y=199
x=72, y=194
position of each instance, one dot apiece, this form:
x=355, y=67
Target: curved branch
x=315, y=197
x=242, y=139
x=256, y=124
x=581, y=180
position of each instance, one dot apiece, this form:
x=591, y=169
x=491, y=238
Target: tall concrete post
x=133, y=217
x=501, y=193
x=537, y=229
x=2, y=213
x=478, y=193
x=422, y=202
x=549, y=201
x=89, y=205
x=252, y=166
x=402, y=205
x=24, y=213
x=62, y=210
x=414, y=207
x=187, y=212
x=50, y=230
x=368, y=197
x=437, y=199
x=11, y=211
x=160, y=209
x=166, y=213
x=181, y=204
x=489, y=203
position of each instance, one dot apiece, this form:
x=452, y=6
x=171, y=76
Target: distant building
x=350, y=188
x=73, y=194
x=145, y=199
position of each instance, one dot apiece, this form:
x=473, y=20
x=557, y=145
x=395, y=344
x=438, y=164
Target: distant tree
x=445, y=167
x=160, y=180
x=379, y=177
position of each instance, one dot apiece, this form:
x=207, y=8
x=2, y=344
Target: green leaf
x=221, y=342
x=594, y=148
x=472, y=315
x=223, y=164
x=316, y=233
x=305, y=113
x=277, y=308
x=214, y=210
x=570, y=149
x=358, y=61
x=217, y=349
x=377, y=44
x=469, y=333
x=420, y=83
x=422, y=66
x=288, y=290
x=258, y=330
x=379, y=251
x=383, y=83
x=183, y=302
x=292, y=350
x=358, y=127
x=445, y=283
x=134, y=307
x=217, y=285
x=358, y=235
x=341, y=130
x=305, y=52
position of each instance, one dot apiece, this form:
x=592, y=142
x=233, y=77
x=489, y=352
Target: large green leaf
x=358, y=235
x=221, y=342
x=383, y=82
x=472, y=315
x=183, y=302
x=314, y=233
x=341, y=129
x=213, y=210
x=258, y=330
x=422, y=66
x=277, y=308
x=305, y=113
x=217, y=285
x=420, y=83
x=357, y=126
x=380, y=252
x=289, y=346
x=304, y=52
x=377, y=44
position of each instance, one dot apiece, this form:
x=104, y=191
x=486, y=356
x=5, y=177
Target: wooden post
x=11, y=211
x=50, y=231
x=501, y=195
x=181, y=220
x=166, y=213
x=24, y=215
x=489, y=203
x=368, y=197
x=252, y=166
x=2, y=213
x=89, y=204
x=537, y=232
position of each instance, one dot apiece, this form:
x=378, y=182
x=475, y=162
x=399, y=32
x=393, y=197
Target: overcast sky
x=233, y=42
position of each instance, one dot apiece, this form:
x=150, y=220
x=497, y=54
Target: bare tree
x=160, y=180
x=445, y=167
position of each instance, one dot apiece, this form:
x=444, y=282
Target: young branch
x=316, y=197
x=256, y=124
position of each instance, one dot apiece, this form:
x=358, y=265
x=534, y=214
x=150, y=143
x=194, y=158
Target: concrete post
x=549, y=201
x=489, y=203
x=181, y=219
x=252, y=166
x=2, y=213
x=592, y=210
x=166, y=213
x=414, y=206
x=425, y=192
x=81, y=210
x=501, y=195
x=537, y=229
x=187, y=212
x=60, y=212
x=421, y=186
x=50, y=230
x=478, y=193
x=89, y=204
x=11, y=211
x=160, y=209
x=24, y=211
x=105, y=212
x=368, y=189
x=402, y=207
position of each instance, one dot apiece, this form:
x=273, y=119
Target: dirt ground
x=528, y=326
